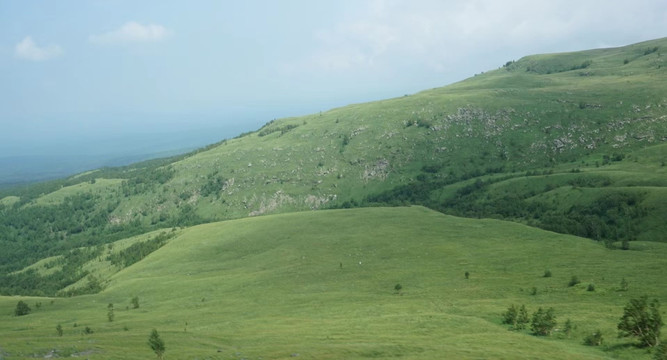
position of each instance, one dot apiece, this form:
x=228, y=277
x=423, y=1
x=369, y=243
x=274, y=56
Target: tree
x=59, y=330
x=624, y=285
x=573, y=281
x=22, y=309
x=135, y=302
x=398, y=288
x=642, y=320
x=543, y=322
x=156, y=344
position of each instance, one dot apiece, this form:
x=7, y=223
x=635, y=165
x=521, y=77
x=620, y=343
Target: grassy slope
x=530, y=114
x=270, y=287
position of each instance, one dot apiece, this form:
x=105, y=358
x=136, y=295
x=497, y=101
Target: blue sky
x=76, y=74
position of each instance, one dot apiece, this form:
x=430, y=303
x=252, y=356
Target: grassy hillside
x=321, y=285
x=570, y=142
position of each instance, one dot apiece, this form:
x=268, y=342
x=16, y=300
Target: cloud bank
x=131, y=32
x=28, y=50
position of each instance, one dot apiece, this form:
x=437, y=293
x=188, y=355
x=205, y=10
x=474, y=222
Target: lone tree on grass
x=543, y=322
x=22, y=309
x=156, y=344
x=643, y=320
x=398, y=288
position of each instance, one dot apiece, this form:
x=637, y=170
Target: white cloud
x=439, y=34
x=131, y=32
x=27, y=49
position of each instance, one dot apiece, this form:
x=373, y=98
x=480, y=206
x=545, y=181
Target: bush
x=590, y=287
x=567, y=328
x=661, y=352
x=594, y=339
x=22, y=309
x=573, y=281
x=135, y=302
x=509, y=316
x=543, y=322
x=642, y=319
x=517, y=318
x=547, y=273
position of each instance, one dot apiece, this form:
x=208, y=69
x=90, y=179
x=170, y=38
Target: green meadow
x=321, y=285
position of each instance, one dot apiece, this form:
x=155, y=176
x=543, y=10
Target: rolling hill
x=570, y=142
x=321, y=285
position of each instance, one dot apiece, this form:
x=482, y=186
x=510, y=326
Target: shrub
x=467, y=275
x=522, y=318
x=573, y=281
x=642, y=319
x=567, y=328
x=661, y=352
x=398, y=288
x=594, y=339
x=590, y=287
x=22, y=309
x=135, y=302
x=624, y=285
x=510, y=316
x=547, y=273
x=543, y=322
x=59, y=330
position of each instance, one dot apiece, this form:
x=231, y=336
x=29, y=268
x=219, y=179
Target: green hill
x=321, y=285
x=570, y=142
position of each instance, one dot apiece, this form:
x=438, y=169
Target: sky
x=100, y=76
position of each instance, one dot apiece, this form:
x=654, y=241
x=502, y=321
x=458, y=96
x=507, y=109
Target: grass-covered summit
x=570, y=142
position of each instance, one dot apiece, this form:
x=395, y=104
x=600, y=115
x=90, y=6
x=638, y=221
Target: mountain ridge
x=581, y=146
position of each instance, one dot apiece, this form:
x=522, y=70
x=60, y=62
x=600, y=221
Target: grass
x=321, y=285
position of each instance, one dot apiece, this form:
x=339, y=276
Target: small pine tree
x=543, y=322
x=624, y=285
x=22, y=309
x=398, y=288
x=59, y=330
x=590, y=287
x=547, y=273
x=467, y=275
x=573, y=281
x=156, y=344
